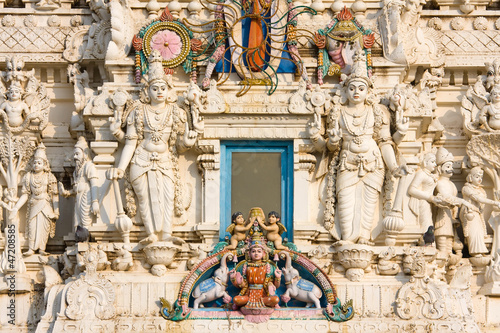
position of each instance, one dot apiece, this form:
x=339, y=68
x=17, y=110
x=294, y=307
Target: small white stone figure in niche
x=361, y=129
x=472, y=218
x=274, y=229
x=446, y=218
x=15, y=108
x=155, y=132
x=85, y=182
x=421, y=191
x=39, y=189
x=490, y=113
x=238, y=230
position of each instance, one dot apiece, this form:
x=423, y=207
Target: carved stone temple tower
x=249, y=166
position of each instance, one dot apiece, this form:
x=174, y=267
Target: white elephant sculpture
x=215, y=287
x=297, y=287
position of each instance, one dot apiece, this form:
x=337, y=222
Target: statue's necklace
x=357, y=116
x=36, y=180
x=357, y=119
x=156, y=131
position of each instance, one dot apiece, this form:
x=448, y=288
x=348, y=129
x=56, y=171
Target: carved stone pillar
x=304, y=164
x=209, y=166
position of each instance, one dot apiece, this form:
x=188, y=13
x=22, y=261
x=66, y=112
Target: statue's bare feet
x=341, y=243
x=28, y=253
x=364, y=241
x=148, y=240
x=43, y=253
x=173, y=239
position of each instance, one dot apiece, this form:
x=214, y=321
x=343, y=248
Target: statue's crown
x=359, y=69
x=40, y=152
x=443, y=156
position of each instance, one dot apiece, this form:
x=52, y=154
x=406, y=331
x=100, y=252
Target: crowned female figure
x=257, y=276
x=359, y=136
x=156, y=130
x=39, y=189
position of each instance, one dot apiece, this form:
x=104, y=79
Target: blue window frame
x=285, y=149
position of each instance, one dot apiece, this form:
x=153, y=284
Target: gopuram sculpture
x=354, y=129
x=359, y=136
x=154, y=133
x=84, y=186
x=39, y=190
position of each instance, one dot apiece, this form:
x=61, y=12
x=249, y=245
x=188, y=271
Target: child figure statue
x=238, y=230
x=14, y=107
x=274, y=229
x=40, y=191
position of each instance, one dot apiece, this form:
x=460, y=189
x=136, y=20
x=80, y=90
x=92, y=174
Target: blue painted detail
x=285, y=148
x=305, y=285
x=207, y=285
x=286, y=64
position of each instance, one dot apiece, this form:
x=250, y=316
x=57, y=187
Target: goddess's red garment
x=257, y=287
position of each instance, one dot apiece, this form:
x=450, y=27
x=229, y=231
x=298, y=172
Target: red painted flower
x=168, y=43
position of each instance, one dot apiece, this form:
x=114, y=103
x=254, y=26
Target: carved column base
x=15, y=283
x=161, y=255
x=393, y=224
x=355, y=259
x=480, y=261
x=209, y=233
x=490, y=289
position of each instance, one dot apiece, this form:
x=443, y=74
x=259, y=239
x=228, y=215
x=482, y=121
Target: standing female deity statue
x=472, y=215
x=361, y=130
x=40, y=191
x=156, y=131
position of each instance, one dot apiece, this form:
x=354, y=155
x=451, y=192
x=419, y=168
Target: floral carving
x=420, y=298
x=30, y=21
x=92, y=295
x=356, y=260
x=8, y=21
x=458, y=23
x=168, y=43
x=480, y=23
x=435, y=23
x=76, y=21
x=54, y=21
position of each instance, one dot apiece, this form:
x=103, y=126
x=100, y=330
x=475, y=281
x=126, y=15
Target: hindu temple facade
x=278, y=165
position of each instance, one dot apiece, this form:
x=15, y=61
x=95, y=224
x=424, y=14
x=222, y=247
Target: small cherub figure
x=237, y=229
x=490, y=114
x=14, y=106
x=274, y=229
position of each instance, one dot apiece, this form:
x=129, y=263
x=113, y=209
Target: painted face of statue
x=239, y=220
x=38, y=165
x=357, y=91
x=158, y=91
x=447, y=169
x=272, y=219
x=256, y=253
x=78, y=155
